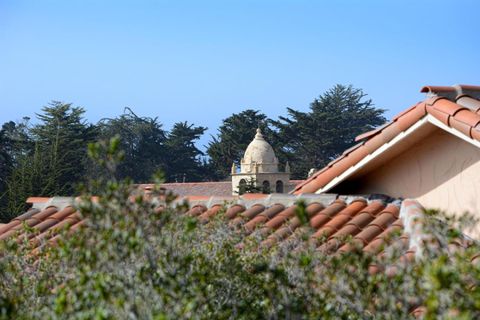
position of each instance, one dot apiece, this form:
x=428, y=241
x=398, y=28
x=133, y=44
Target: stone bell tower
x=260, y=164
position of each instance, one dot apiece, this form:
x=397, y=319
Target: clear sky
x=200, y=61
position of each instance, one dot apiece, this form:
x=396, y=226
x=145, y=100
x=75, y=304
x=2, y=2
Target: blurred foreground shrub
x=132, y=261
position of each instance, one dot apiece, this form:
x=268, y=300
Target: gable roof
x=454, y=109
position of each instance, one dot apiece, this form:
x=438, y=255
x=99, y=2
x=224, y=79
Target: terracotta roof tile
x=281, y=218
x=210, y=213
x=263, y=217
x=366, y=221
x=247, y=214
x=195, y=189
x=469, y=102
x=197, y=210
x=233, y=211
x=437, y=89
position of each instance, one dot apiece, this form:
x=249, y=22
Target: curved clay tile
x=263, y=217
x=196, y=210
x=437, y=89
x=204, y=217
x=248, y=214
x=326, y=214
x=30, y=220
x=469, y=102
x=233, y=211
x=282, y=217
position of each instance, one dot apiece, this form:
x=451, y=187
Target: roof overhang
x=427, y=120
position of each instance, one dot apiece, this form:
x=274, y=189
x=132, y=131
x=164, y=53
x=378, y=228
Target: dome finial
x=259, y=134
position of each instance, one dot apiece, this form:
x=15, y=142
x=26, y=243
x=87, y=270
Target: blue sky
x=200, y=61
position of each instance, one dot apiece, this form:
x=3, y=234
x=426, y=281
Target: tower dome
x=259, y=156
x=259, y=170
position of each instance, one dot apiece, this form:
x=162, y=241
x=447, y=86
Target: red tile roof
x=209, y=189
x=370, y=223
x=455, y=107
x=215, y=188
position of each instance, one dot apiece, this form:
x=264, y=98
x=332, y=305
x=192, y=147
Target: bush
x=134, y=261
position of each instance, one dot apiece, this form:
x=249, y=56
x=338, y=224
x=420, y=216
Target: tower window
x=266, y=187
x=279, y=187
x=242, y=186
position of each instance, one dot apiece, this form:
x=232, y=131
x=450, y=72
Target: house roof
x=370, y=221
x=208, y=189
x=213, y=188
x=455, y=109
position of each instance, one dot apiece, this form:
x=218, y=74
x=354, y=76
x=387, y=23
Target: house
x=429, y=152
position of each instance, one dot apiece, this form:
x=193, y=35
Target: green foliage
x=184, y=157
x=46, y=159
x=148, y=148
x=250, y=186
x=301, y=212
x=312, y=139
x=61, y=138
x=6, y=162
x=142, y=140
x=15, y=145
x=133, y=261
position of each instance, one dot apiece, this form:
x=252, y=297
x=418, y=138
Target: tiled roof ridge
x=287, y=200
x=462, y=115
x=189, y=183
x=413, y=218
x=453, y=91
x=147, y=185
x=59, y=202
x=247, y=200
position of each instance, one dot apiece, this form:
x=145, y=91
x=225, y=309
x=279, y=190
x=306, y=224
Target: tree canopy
x=312, y=139
x=185, y=163
x=142, y=140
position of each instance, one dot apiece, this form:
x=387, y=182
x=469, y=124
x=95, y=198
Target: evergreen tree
x=61, y=140
x=6, y=165
x=184, y=163
x=45, y=160
x=142, y=140
x=26, y=179
x=16, y=149
x=236, y=132
x=6, y=161
x=312, y=139
x=249, y=186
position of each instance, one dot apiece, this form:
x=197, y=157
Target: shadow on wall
x=441, y=170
